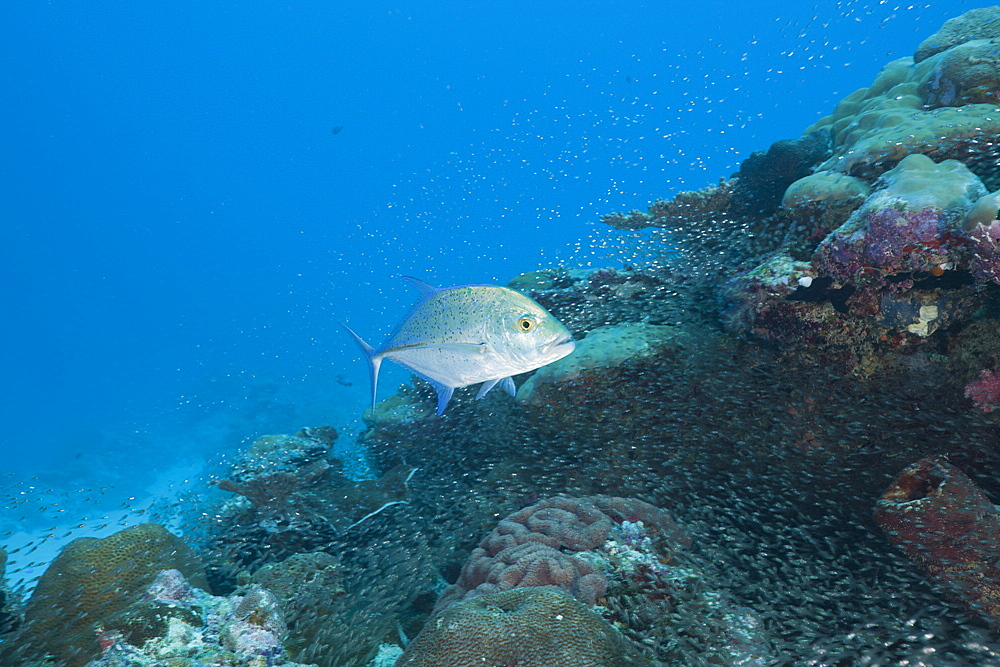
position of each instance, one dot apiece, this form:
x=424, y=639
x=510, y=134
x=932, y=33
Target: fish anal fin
x=507, y=384
x=444, y=393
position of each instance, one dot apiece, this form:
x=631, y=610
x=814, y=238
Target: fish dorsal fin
x=422, y=287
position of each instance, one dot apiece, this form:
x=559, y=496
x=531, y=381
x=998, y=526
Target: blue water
x=192, y=195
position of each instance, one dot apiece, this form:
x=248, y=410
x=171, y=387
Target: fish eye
x=525, y=324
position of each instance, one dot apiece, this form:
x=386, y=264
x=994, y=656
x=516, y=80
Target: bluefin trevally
x=457, y=336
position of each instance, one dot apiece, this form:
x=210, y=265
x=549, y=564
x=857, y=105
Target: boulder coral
x=603, y=349
x=981, y=23
x=529, y=627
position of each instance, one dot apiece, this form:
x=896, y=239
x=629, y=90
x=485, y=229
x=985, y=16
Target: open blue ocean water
x=194, y=196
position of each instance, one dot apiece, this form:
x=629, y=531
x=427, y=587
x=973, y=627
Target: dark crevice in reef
x=820, y=290
x=923, y=280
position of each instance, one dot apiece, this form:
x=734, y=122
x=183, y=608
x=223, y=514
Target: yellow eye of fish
x=525, y=324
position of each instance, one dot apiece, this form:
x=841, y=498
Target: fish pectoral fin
x=485, y=388
x=506, y=383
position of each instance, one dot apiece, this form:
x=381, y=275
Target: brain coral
x=527, y=627
x=536, y=545
x=89, y=581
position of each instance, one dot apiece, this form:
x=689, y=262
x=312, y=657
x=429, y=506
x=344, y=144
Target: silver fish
x=457, y=336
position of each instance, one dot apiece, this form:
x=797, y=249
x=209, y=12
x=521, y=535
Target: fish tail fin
x=374, y=363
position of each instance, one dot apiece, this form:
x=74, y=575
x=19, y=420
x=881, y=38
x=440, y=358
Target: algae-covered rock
x=306, y=586
x=603, y=348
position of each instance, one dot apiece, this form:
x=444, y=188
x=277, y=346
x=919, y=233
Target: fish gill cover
x=776, y=441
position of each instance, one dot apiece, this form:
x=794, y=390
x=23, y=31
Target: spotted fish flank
x=457, y=336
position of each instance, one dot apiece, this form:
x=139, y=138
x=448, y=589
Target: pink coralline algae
x=985, y=391
x=542, y=545
x=944, y=522
x=913, y=221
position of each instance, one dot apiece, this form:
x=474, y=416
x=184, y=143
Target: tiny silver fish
x=457, y=336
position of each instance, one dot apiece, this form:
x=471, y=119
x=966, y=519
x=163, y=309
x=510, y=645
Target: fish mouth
x=558, y=343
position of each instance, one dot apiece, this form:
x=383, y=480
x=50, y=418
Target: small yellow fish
x=457, y=336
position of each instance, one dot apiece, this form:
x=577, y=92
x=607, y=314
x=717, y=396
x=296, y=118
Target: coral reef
x=305, y=586
x=90, y=581
x=857, y=288
x=296, y=495
x=942, y=520
x=621, y=557
x=533, y=627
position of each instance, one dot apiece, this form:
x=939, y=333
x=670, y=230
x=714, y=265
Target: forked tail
x=373, y=362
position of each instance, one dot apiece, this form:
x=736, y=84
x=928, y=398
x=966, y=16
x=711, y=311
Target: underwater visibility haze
x=735, y=266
